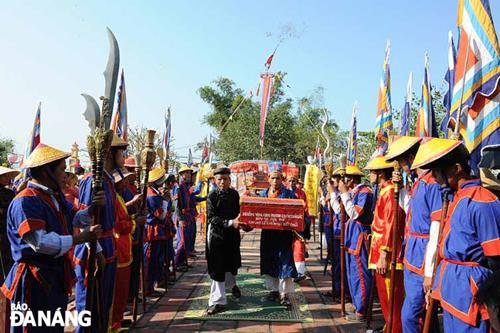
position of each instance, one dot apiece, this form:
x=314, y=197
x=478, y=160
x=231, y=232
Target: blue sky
x=51, y=51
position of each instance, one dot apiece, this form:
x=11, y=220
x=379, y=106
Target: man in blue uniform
x=422, y=200
x=470, y=241
x=357, y=199
x=276, y=247
x=39, y=227
x=114, y=160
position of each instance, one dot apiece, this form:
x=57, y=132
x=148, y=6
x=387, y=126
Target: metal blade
x=92, y=113
x=111, y=76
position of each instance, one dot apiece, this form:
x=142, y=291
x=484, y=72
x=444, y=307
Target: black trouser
x=134, y=271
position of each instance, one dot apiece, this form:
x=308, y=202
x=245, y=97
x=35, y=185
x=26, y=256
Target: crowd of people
x=423, y=229
x=426, y=207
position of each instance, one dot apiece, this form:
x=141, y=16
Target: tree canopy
x=292, y=127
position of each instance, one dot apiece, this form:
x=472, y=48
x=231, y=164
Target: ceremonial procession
x=185, y=203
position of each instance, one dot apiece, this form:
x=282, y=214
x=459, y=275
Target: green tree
x=6, y=147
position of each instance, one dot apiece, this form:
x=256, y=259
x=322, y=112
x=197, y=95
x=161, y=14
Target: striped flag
x=352, y=148
x=450, y=79
x=167, y=132
x=384, y=124
x=477, y=75
x=404, y=126
x=119, y=124
x=267, y=83
x=476, y=33
x=34, y=138
x=426, y=119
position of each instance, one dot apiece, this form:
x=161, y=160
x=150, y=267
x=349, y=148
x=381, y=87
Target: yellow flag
x=311, y=183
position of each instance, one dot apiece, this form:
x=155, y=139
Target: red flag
x=269, y=61
x=267, y=82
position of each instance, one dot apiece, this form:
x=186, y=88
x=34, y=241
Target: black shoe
x=286, y=302
x=236, y=292
x=299, y=278
x=214, y=309
x=273, y=296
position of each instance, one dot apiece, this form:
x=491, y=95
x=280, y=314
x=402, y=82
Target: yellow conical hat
x=156, y=174
x=185, y=168
x=432, y=150
x=400, y=145
x=353, y=170
x=338, y=172
x=118, y=142
x=7, y=171
x=42, y=155
x=378, y=163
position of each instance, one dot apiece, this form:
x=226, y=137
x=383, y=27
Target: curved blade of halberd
x=111, y=76
x=92, y=113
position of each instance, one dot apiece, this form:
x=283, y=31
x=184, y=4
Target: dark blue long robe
x=276, y=247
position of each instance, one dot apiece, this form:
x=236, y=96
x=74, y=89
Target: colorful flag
x=352, y=148
x=426, y=119
x=119, y=124
x=384, y=125
x=267, y=82
x=482, y=126
x=404, y=126
x=450, y=79
x=167, y=132
x=204, y=152
x=477, y=41
x=34, y=138
x=477, y=75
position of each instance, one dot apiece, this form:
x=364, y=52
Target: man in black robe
x=223, y=240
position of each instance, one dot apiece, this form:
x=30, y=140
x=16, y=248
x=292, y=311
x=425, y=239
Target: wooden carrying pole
x=430, y=308
x=394, y=258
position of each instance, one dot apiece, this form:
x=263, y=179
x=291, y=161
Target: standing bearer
x=114, y=160
x=470, y=242
x=39, y=226
x=276, y=247
x=123, y=230
x=223, y=241
x=186, y=216
x=381, y=243
x=6, y=196
x=155, y=236
x=357, y=198
x=422, y=195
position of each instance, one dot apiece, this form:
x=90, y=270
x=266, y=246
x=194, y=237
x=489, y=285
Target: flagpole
x=456, y=134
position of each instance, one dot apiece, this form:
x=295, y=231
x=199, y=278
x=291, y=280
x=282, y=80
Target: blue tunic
x=356, y=245
x=470, y=234
x=41, y=281
x=276, y=247
x=107, y=220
